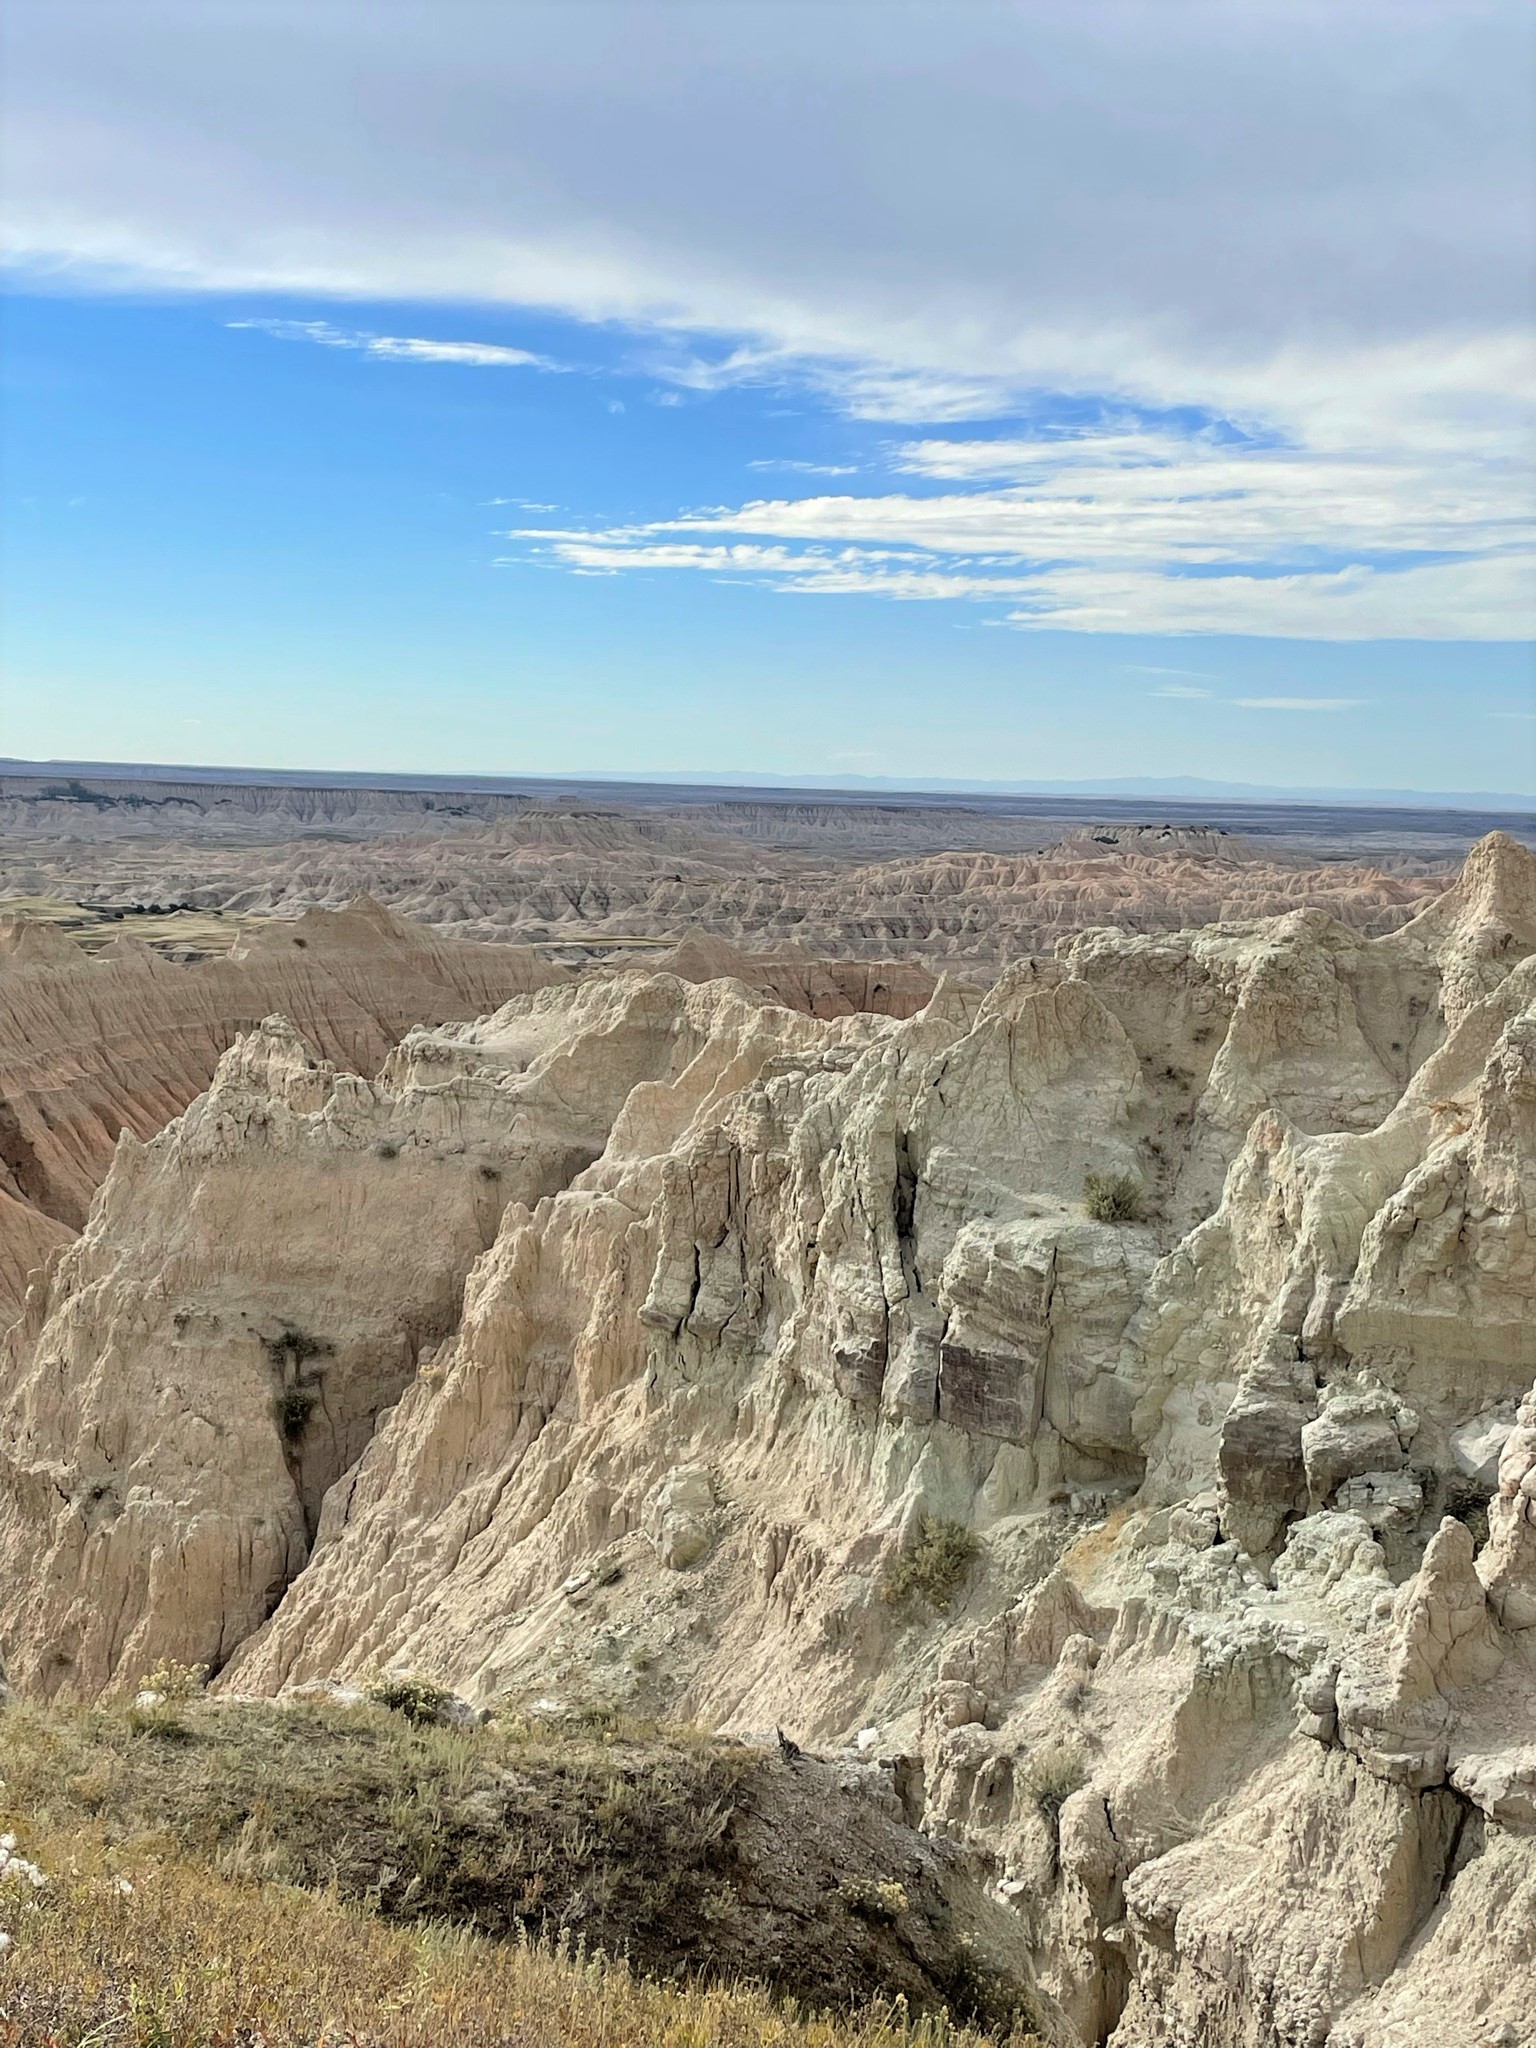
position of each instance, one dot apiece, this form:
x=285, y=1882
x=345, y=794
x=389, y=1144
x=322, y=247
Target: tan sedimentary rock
x=91, y=1047
x=972, y=910
x=1230, y=1692
x=797, y=978
x=1481, y=926
x=124, y=1040
x=958, y=887
x=28, y=1238
x=311, y=1235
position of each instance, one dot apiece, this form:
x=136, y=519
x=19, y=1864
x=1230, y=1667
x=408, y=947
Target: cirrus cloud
x=1139, y=528
x=1300, y=703
x=401, y=348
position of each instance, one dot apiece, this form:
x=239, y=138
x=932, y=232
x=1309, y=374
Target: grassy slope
x=316, y=1874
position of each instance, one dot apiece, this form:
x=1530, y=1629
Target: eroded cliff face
x=664, y=1320
x=125, y=1040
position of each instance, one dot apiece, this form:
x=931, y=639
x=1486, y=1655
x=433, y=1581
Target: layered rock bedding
x=124, y=1039
x=1101, y=1404
x=969, y=888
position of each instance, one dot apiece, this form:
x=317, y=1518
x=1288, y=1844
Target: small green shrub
x=881, y=1900
x=934, y=1568
x=418, y=1699
x=293, y=1408
x=1468, y=1503
x=387, y=1149
x=1113, y=1197
x=982, y=1997
x=291, y=1348
x=1051, y=1774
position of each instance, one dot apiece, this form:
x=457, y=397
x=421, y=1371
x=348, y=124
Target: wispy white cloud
x=402, y=348
x=1152, y=668
x=864, y=384
x=1141, y=530
x=806, y=468
x=1300, y=703
x=876, y=572
x=1179, y=690
x=1472, y=600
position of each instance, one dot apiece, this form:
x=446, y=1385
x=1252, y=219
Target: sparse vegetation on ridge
x=140, y=1950
x=313, y=1873
x=1051, y=1774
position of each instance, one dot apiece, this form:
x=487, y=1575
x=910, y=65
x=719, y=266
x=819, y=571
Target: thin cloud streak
x=806, y=468
x=1300, y=703
x=1147, y=668
x=399, y=348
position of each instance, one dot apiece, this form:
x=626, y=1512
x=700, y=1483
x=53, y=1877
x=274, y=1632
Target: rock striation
x=733, y=1353
x=123, y=1040
x=93, y=1046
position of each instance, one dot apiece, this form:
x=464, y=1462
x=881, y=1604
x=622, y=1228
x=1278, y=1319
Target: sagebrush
x=418, y=1699
x=935, y=1566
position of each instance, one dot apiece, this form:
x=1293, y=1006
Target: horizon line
x=1168, y=788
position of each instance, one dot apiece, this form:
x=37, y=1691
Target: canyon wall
x=672, y=1344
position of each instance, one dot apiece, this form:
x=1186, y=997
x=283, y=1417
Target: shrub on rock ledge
x=1113, y=1198
x=934, y=1568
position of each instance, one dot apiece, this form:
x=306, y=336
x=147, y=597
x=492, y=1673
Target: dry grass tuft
x=1113, y=1198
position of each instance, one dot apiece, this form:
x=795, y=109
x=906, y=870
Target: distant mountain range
x=1170, y=788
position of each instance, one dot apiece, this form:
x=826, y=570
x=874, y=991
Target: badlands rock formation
x=550, y=878
x=91, y=1046
x=963, y=886
x=643, y=1341
x=94, y=1044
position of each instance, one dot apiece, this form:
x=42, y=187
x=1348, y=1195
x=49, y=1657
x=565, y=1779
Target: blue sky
x=635, y=387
